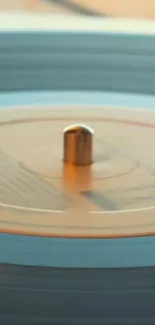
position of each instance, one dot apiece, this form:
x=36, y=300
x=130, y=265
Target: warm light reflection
x=77, y=178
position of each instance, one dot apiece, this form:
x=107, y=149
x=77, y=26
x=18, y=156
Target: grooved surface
x=80, y=61
x=94, y=201
x=18, y=187
x=43, y=294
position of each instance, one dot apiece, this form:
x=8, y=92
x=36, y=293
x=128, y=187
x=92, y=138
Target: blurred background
x=114, y=8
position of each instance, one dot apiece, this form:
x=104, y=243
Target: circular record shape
x=115, y=196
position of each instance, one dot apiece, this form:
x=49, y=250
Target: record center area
x=113, y=197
